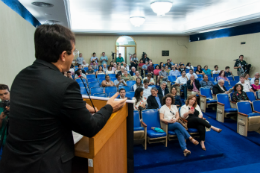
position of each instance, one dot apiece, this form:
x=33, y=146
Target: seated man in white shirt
x=125, y=66
x=216, y=70
x=182, y=82
x=147, y=89
x=257, y=76
x=246, y=85
x=191, y=73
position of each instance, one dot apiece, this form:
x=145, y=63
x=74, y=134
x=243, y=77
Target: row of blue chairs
x=107, y=90
x=129, y=94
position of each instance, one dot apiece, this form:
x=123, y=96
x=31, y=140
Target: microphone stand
x=88, y=94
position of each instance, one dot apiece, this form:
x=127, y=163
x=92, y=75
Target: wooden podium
x=111, y=149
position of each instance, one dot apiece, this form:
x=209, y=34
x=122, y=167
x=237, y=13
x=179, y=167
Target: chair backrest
x=228, y=87
x=83, y=90
x=187, y=70
x=96, y=90
x=200, y=76
x=92, y=80
x=112, y=79
x=199, y=79
x=101, y=76
x=195, y=68
x=112, y=75
x=127, y=88
x=113, y=93
x=224, y=99
x=101, y=80
x=230, y=78
x=172, y=78
x=130, y=94
x=226, y=83
x=85, y=68
x=233, y=83
x=93, y=84
x=209, y=75
x=244, y=107
x=89, y=76
x=110, y=89
x=206, y=92
x=137, y=122
x=256, y=105
x=236, y=78
x=211, y=79
x=151, y=118
x=130, y=83
x=215, y=82
x=215, y=76
x=80, y=81
x=251, y=96
x=100, y=94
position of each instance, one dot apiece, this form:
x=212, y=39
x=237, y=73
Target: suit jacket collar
x=45, y=63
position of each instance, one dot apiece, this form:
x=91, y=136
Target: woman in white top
x=109, y=71
x=140, y=102
x=247, y=79
x=100, y=70
x=114, y=67
x=169, y=115
x=191, y=111
x=138, y=84
x=216, y=70
x=189, y=66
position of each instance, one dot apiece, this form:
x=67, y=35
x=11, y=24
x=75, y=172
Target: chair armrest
x=233, y=102
x=242, y=114
x=257, y=112
x=143, y=124
x=203, y=96
x=214, y=95
x=221, y=104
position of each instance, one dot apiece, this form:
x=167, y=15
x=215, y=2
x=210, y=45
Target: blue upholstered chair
x=127, y=88
x=209, y=75
x=233, y=83
x=211, y=79
x=247, y=120
x=130, y=83
x=100, y=94
x=83, y=91
x=93, y=84
x=224, y=108
x=100, y=80
x=236, y=78
x=187, y=70
x=92, y=80
x=101, y=76
x=230, y=78
x=86, y=68
x=80, y=81
x=112, y=79
x=130, y=94
x=82, y=85
x=140, y=131
x=256, y=105
x=215, y=76
x=226, y=84
x=113, y=93
x=110, y=89
x=172, y=78
x=96, y=90
x=251, y=96
x=151, y=119
x=112, y=75
x=206, y=99
x=89, y=76
x=199, y=79
x=200, y=76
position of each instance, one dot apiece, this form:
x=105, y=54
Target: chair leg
x=242, y=125
x=166, y=141
x=220, y=113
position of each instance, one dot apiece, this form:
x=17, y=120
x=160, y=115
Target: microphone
x=88, y=94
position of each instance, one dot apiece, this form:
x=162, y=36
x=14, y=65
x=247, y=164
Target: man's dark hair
x=183, y=71
x=4, y=87
x=146, y=81
x=215, y=66
x=51, y=40
x=227, y=67
x=79, y=65
x=191, y=70
x=117, y=75
x=121, y=89
x=241, y=55
x=256, y=79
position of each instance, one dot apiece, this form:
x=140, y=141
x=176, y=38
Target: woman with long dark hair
x=138, y=84
x=140, y=102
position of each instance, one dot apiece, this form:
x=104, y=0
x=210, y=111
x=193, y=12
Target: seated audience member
x=227, y=71
x=69, y=75
x=100, y=70
x=79, y=74
x=120, y=60
x=222, y=76
x=189, y=66
x=191, y=73
x=111, y=63
x=163, y=75
x=134, y=61
x=140, y=65
x=247, y=78
x=147, y=89
x=80, y=68
x=118, y=70
x=94, y=66
x=199, y=70
x=137, y=75
x=140, y=101
x=94, y=59
x=246, y=85
x=150, y=68
x=182, y=68
x=177, y=67
x=138, y=84
x=107, y=82
x=156, y=70
x=219, y=88
x=145, y=58
x=149, y=78
x=72, y=70
x=163, y=90
x=256, y=87
x=119, y=82
x=206, y=70
x=168, y=63
x=126, y=76
x=133, y=71
x=257, y=76
x=182, y=82
x=122, y=94
x=125, y=66
x=154, y=101
x=84, y=64
x=79, y=59
x=192, y=112
x=161, y=65
x=177, y=99
x=114, y=68
x=169, y=115
x=105, y=67
x=216, y=70
x=144, y=68
x=167, y=69
x=193, y=85
x=90, y=70
x=110, y=71
x=206, y=83
x=174, y=72
x=239, y=94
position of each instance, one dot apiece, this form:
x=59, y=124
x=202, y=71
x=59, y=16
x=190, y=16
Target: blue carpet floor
x=237, y=150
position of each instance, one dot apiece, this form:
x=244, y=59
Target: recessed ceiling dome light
x=160, y=7
x=42, y=4
x=137, y=20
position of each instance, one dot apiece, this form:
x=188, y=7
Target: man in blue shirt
x=154, y=101
x=144, y=67
x=103, y=59
x=206, y=83
x=174, y=72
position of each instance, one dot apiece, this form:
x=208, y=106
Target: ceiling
x=186, y=17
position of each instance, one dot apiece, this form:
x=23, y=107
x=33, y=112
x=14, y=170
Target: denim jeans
x=181, y=133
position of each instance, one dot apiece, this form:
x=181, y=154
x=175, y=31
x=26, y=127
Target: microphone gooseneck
x=88, y=94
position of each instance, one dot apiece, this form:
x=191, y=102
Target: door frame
x=125, y=46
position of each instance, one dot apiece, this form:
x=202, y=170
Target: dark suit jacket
x=152, y=103
x=197, y=84
x=160, y=91
x=45, y=108
x=217, y=90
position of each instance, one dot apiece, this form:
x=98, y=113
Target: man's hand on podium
x=91, y=109
x=116, y=105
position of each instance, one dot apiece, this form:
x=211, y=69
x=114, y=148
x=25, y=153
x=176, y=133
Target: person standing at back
x=46, y=106
x=239, y=65
x=80, y=59
x=103, y=59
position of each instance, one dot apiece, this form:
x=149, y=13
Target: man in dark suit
x=190, y=85
x=163, y=90
x=219, y=87
x=45, y=108
x=154, y=101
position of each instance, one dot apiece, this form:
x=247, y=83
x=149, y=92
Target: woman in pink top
x=222, y=76
x=156, y=70
x=256, y=86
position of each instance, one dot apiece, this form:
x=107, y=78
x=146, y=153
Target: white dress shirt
x=185, y=109
x=246, y=86
x=182, y=80
x=147, y=92
x=188, y=75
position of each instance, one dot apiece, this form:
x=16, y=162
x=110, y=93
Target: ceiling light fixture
x=42, y=4
x=161, y=7
x=137, y=20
